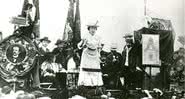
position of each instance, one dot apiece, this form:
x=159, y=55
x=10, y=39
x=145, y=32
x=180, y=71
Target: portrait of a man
x=16, y=53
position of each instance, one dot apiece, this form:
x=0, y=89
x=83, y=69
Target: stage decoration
x=31, y=12
x=20, y=21
x=150, y=46
x=166, y=49
x=161, y=24
x=72, y=32
x=17, y=56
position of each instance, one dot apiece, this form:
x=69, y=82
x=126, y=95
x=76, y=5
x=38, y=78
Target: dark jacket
x=42, y=51
x=61, y=57
x=134, y=56
x=113, y=64
x=16, y=60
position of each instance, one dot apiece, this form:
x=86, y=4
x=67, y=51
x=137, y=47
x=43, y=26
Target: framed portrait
x=16, y=53
x=17, y=56
x=150, y=49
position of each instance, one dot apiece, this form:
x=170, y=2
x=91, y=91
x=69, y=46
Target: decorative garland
x=11, y=66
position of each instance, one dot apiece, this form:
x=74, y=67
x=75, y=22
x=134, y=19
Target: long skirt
x=90, y=74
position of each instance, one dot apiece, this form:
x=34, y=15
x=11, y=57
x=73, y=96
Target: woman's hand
x=82, y=43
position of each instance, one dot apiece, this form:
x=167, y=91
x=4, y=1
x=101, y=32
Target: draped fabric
x=68, y=32
x=166, y=42
x=72, y=32
x=35, y=4
x=166, y=46
x=34, y=24
x=36, y=27
x=77, y=26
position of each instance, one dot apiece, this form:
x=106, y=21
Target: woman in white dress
x=90, y=71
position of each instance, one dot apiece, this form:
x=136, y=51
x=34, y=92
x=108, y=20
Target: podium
x=68, y=81
x=67, y=78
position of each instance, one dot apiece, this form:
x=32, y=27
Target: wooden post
x=1, y=36
x=145, y=7
x=150, y=82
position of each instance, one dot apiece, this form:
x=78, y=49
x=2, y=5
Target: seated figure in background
x=49, y=68
x=112, y=68
x=60, y=53
x=42, y=49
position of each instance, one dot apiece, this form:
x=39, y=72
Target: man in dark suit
x=44, y=42
x=16, y=56
x=61, y=53
x=61, y=58
x=112, y=68
x=132, y=58
x=42, y=50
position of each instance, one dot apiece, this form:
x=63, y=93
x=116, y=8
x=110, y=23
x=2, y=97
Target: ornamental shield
x=17, y=55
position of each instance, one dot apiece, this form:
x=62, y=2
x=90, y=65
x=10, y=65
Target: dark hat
x=127, y=35
x=59, y=41
x=45, y=39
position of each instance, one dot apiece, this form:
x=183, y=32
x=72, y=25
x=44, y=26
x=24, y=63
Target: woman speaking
x=90, y=71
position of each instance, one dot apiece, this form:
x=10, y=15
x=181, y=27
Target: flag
x=72, y=33
x=77, y=26
x=23, y=13
x=68, y=32
x=33, y=17
x=36, y=27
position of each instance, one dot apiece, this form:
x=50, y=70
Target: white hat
x=30, y=2
x=93, y=24
x=128, y=35
x=114, y=46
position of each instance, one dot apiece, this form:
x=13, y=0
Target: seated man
x=49, y=68
x=112, y=68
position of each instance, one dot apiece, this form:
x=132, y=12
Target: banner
x=150, y=49
x=30, y=11
x=17, y=56
x=68, y=30
x=77, y=26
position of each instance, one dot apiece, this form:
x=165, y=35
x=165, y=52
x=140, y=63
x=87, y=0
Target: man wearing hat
x=44, y=42
x=39, y=60
x=60, y=58
x=60, y=53
x=131, y=59
x=112, y=67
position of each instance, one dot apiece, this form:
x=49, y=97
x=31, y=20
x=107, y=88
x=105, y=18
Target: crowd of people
x=6, y=92
x=125, y=66
x=118, y=70
x=97, y=68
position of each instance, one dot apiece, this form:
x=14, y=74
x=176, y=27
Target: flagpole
x=145, y=7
